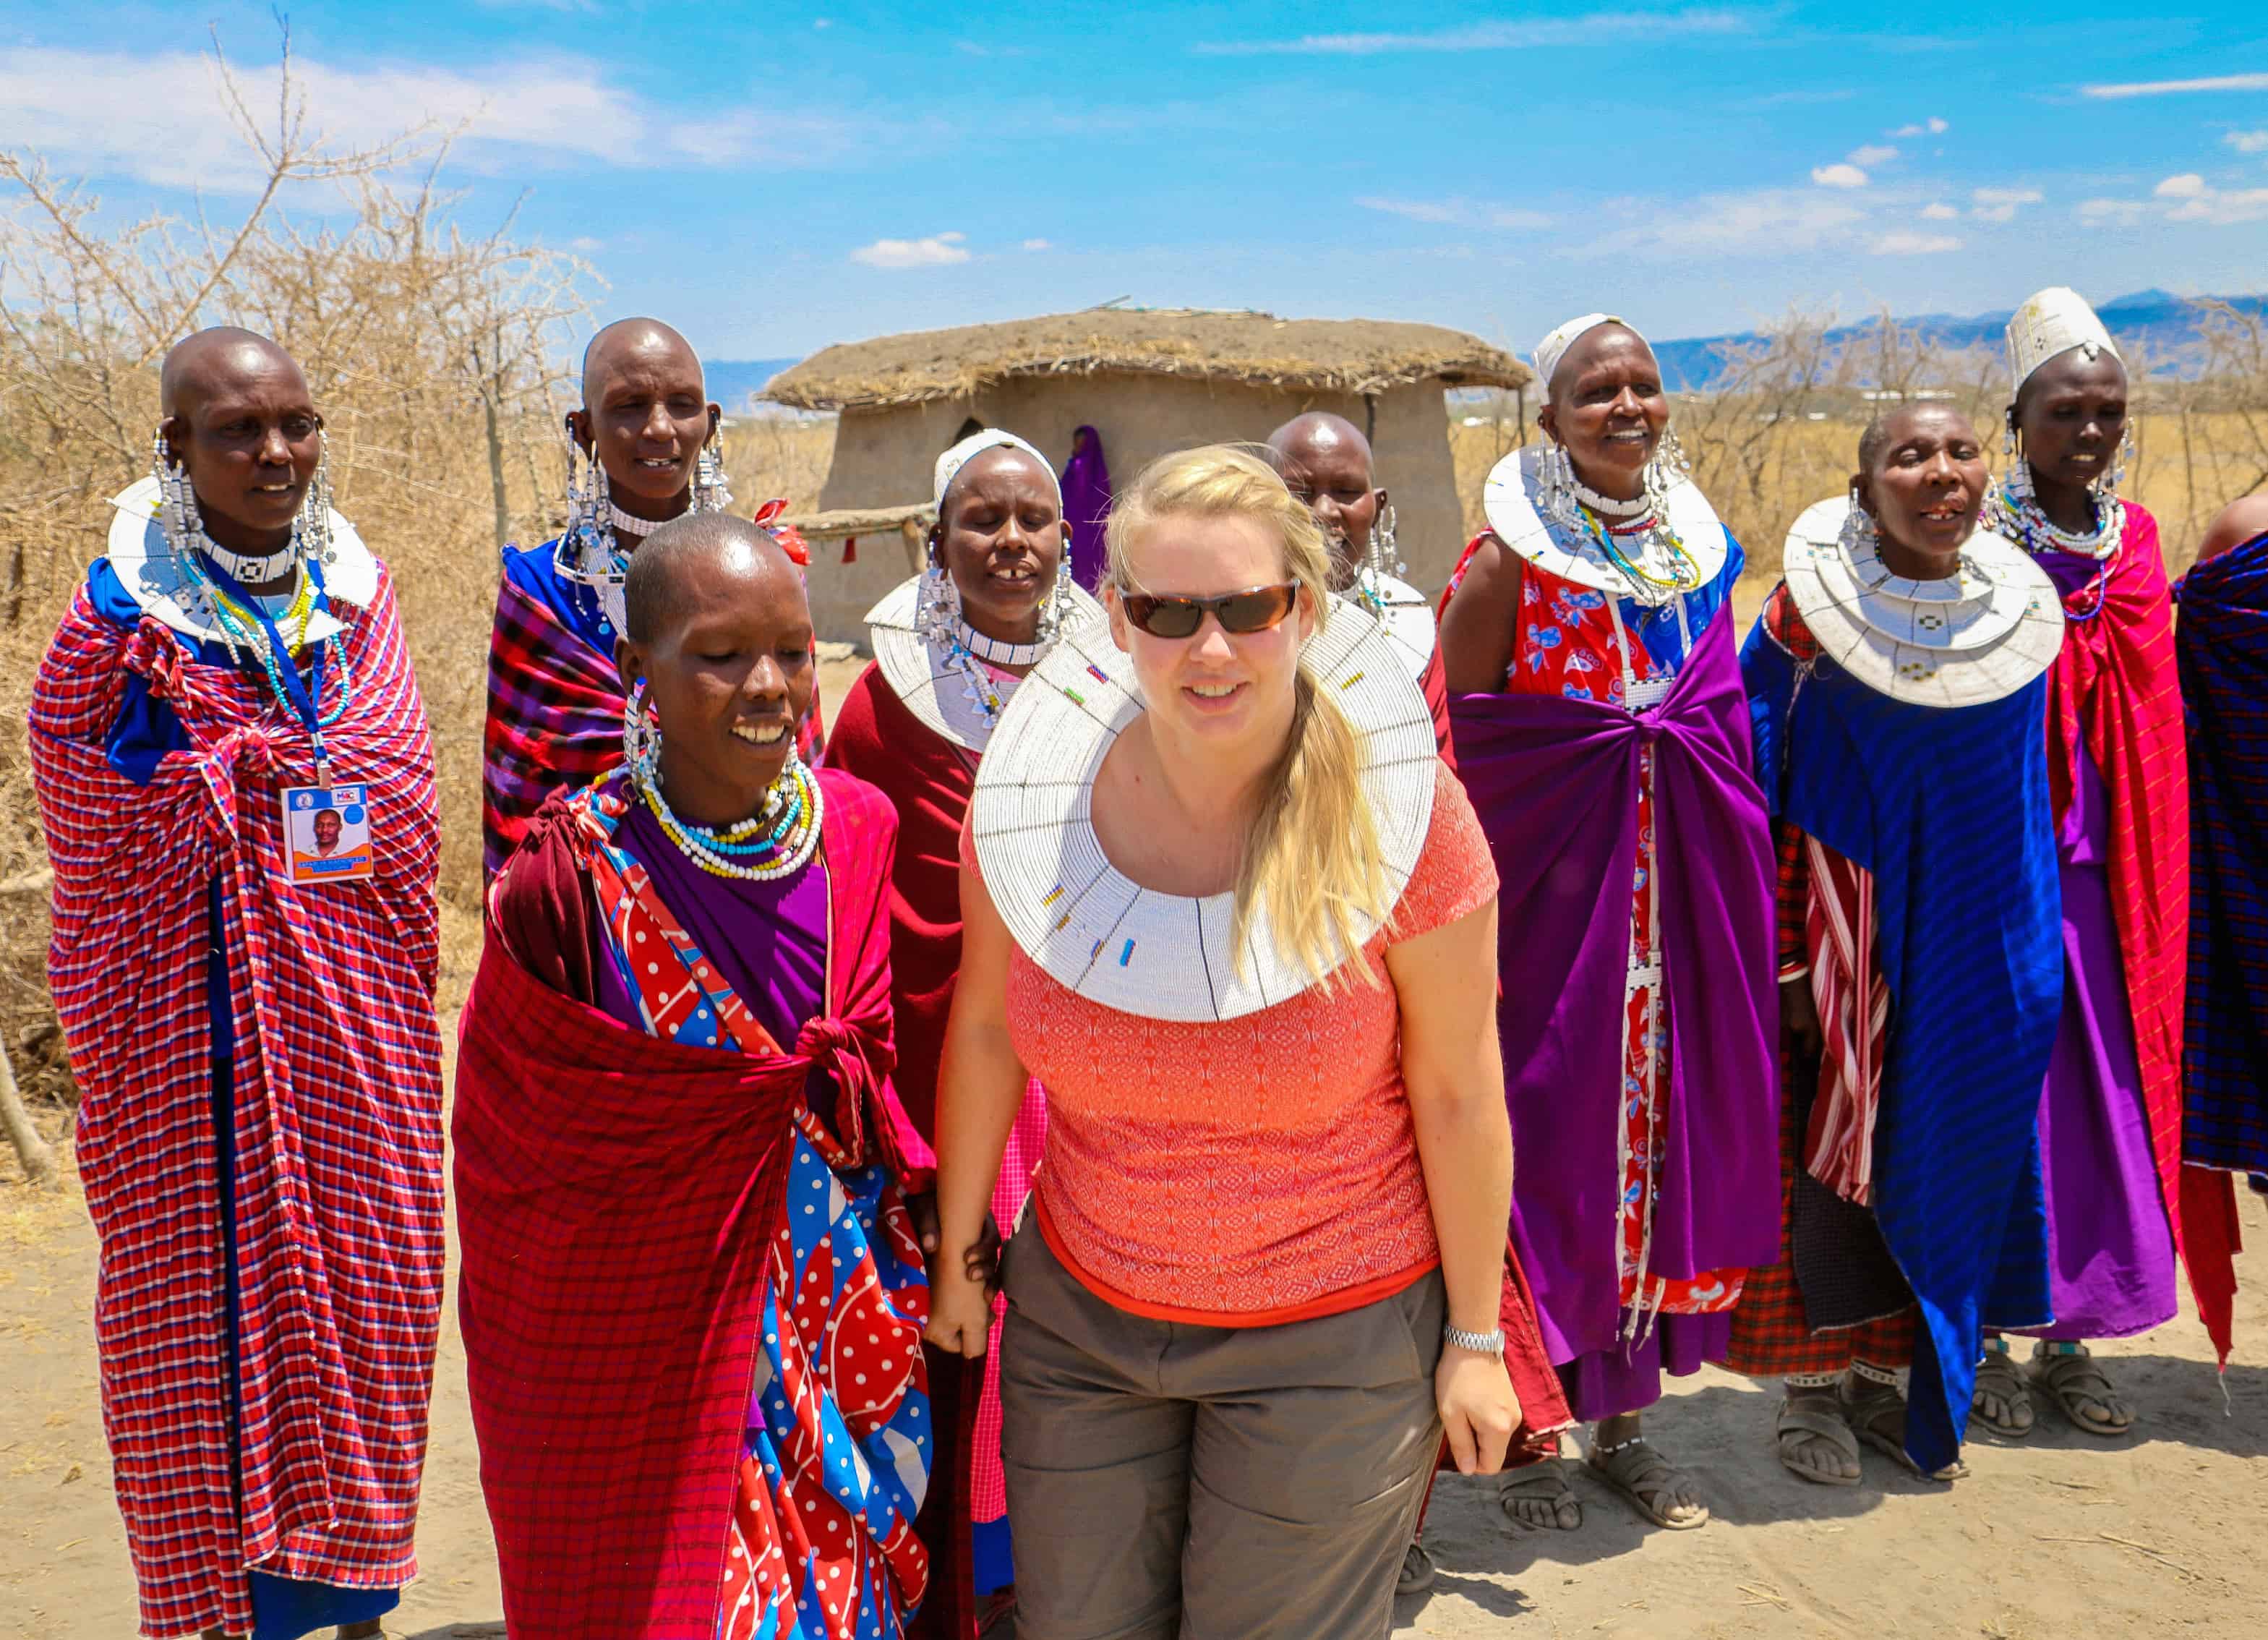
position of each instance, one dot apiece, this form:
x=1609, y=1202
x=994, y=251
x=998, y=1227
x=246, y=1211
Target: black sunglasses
x=1254, y=610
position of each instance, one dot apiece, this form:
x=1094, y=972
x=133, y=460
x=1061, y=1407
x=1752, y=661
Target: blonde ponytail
x=1311, y=854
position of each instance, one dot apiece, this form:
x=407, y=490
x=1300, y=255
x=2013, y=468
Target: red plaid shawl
x=338, y=1113
x=554, y=719
x=2115, y=690
x=616, y=1196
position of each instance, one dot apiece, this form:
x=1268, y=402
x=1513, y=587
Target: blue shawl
x=1949, y=810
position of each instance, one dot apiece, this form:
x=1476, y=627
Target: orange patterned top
x=1246, y=1171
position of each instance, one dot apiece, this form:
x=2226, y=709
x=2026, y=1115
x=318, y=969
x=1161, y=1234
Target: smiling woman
x=952, y=646
x=2110, y=1116
x=1225, y=901
x=1595, y=704
x=1898, y=678
x=691, y=1308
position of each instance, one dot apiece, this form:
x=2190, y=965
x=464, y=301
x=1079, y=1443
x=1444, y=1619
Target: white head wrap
x=975, y=444
x=1554, y=347
x=2053, y=322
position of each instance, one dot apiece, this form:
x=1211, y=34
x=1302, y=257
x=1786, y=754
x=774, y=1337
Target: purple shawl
x=1554, y=782
x=1087, y=505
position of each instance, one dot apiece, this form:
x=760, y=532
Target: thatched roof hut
x=1149, y=380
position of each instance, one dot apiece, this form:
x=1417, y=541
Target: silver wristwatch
x=1479, y=1343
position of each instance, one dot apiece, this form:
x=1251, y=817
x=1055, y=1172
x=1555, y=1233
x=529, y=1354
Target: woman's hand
x=1799, y=1016
x=960, y=1300
x=1479, y=1409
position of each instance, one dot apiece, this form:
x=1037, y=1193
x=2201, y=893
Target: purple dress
x=2110, y=1249
x=769, y=940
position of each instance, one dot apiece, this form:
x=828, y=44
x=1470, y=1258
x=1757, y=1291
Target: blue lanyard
x=284, y=667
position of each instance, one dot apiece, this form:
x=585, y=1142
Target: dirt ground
x=2062, y=1536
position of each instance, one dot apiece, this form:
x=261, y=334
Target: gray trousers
x=1215, y=1483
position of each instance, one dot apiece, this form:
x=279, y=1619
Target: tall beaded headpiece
x=2050, y=323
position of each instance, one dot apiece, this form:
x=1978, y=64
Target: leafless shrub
x=434, y=352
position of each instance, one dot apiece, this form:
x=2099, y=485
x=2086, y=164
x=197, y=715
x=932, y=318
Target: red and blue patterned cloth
x=692, y=1307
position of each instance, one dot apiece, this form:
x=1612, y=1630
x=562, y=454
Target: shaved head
x=628, y=339
x=1313, y=434
x=656, y=595
x=200, y=364
x=1325, y=462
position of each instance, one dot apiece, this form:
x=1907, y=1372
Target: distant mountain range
x=2165, y=323
x=733, y=382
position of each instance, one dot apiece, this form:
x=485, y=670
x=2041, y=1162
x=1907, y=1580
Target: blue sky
x=771, y=179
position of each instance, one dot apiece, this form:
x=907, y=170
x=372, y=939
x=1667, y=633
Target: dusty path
x=2159, y=1534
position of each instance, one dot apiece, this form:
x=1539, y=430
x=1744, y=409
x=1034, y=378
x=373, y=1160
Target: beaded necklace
x=776, y=841
x=2015, y=512
x=1647, y=587
x=241, y=627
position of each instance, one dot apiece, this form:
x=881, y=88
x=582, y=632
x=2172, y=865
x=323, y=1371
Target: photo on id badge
x=326, y=833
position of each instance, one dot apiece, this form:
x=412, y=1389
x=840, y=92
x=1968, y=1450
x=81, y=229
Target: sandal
x=2001, y=1403
x=1648, y=1480
x=1808, y=1420
x=1542, y=1487
x=2082, y=1393
x=1876, y=1414
x=1416, y=1574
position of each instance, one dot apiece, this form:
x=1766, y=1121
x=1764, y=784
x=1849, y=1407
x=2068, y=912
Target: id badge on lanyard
x=326, y=825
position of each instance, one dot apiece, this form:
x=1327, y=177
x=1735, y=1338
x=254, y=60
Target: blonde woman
x=1221, y=896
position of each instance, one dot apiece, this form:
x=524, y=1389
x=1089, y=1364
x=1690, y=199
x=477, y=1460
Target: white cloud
x=586, y=244
x=1459, y=211
x=2186, y=198
x=1938, y=210
x=1039, y=244
x=1838, y=176
x=1872, y=154
x=2112, y=212
x=2000, y=205
x=1771, y=222
x=2161, y=88
x=2221, y=210
x=939, y=250
x=2248, y=142
x=1930, y=127
x=160, y=118
x=1501, y=36
x=1903, y=243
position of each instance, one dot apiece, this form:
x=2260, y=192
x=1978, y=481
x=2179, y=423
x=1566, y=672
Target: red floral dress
x=1573, y=640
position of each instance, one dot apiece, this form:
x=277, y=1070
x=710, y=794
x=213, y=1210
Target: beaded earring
x=937, y=608
x=2111, y=481
x=1057, y=611
x=710, y=493
x=1860, y=536
x=1382, y=553
x=177, y=499
x=1668, y=468
x=1554, y=483
x=312, y=534
x=641, y=737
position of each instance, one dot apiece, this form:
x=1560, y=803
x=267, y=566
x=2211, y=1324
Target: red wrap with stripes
x=2114, y=690
x=337, y=1072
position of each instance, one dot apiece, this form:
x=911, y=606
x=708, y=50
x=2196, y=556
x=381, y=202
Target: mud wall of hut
x=884, y=457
